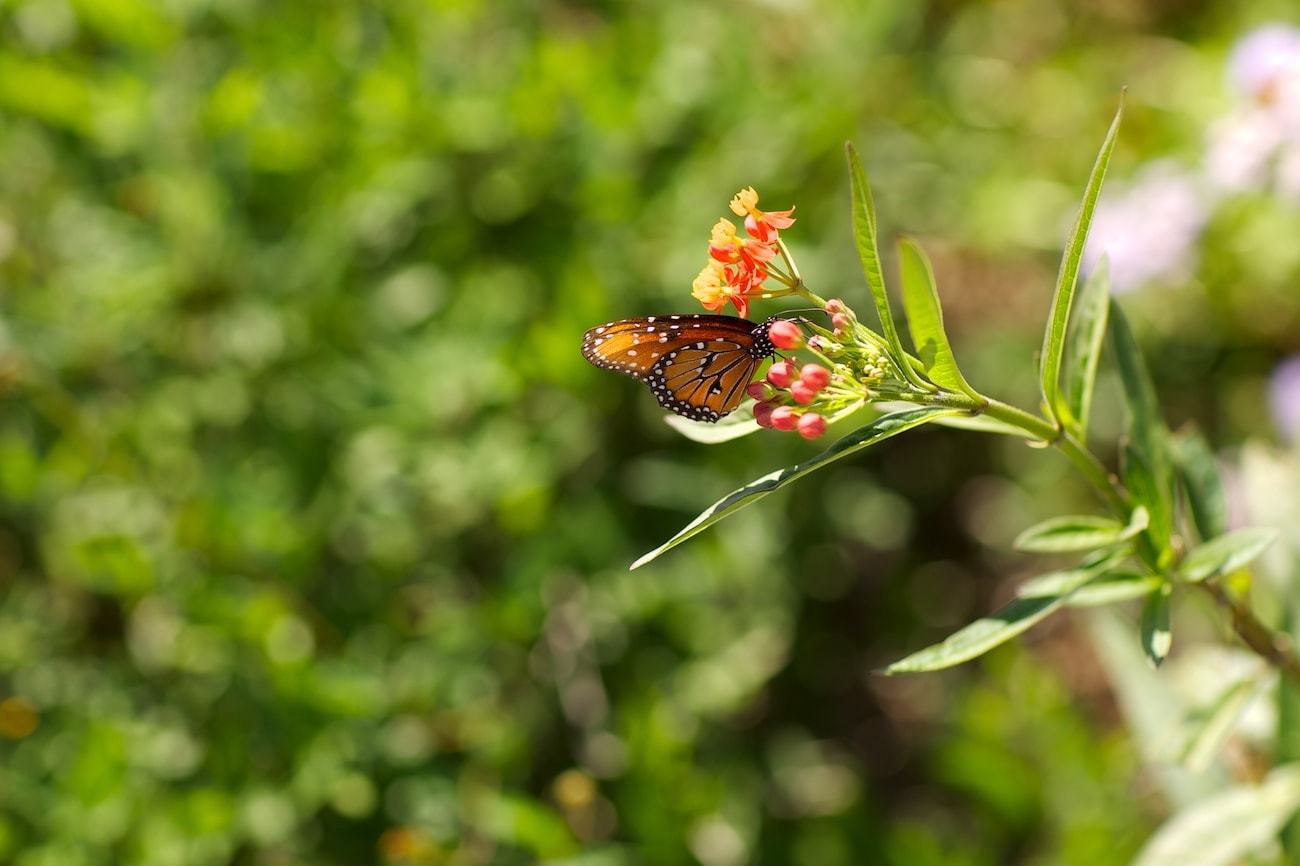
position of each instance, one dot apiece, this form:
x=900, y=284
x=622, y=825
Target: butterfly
x=697, y=366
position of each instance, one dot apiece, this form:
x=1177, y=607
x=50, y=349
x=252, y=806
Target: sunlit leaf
x=1074, y=532
x=1224, y=828
x=1087, y=333
x=1155, y=627
x=1059, y=318
x=869, y=434
x=1079, y=532
x=991, y=631
x=1202, y=483
x=738, y=424
x=1113, y=590
x=864, y=234
x=925, y=320
x=1224, y=713
x=1227, y=553
x=1147, y=471
x=974, y=423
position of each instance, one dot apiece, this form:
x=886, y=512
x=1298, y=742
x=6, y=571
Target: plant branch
x=1273, y=647
x=1085, y=461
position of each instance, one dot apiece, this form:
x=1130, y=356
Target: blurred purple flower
x=1262, y=137
x=1284, y=397
x=1263, y=57
x=1149, y=230
x=1241, y=149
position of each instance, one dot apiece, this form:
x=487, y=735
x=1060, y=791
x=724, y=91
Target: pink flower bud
x=815, y=375
x=835, y=305
x=802, y=392
x=763, y=413
x=781, y=374
x=784, y=418
x=841, y=323
x=785, y=334
x=811, y=425
x=759, y=390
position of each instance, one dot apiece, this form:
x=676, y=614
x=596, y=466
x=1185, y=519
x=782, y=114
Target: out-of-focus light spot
x=409, y=296
x=268, y=817
x=46, y=25
x=353, y=796
x=574, y=789
x=715, y=842
x=18, y=718
x=154, y=629
x=605, y=754
x=289, y=641
x=407, y=739
x=811, y=779
x=1284, y=398
x=407, y=845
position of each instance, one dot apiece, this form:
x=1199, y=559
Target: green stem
x=1274, y=647
x=1084, y=460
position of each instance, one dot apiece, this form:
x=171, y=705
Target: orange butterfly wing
x=696, y=366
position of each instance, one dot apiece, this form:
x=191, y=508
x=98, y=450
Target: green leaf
x=866, y=435
x=1079, y=532
x=1010, y=621
x=1157, y=634
x=1114, y=589
x=1214, y=726
x=738, y=424
x=1151, y=705
x=1226, y=827
x=1075, y=532
x=1147, y=470
x=974, y=423
x=1142, y=488
x=1059, y=318
x=1202, y=483
x=864, y=234
x=925, y=320
x=1226, y=554
x=1086, y=335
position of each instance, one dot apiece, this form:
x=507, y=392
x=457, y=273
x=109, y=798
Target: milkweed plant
x=1161, y=527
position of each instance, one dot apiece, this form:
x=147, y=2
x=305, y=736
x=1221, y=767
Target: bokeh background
x=315, y=525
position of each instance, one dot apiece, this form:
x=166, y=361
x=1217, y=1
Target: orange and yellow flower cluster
x=738, y=265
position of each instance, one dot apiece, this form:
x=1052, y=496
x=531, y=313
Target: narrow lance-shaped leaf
x=1148, y=472
x=1225, y=828
x=1142, y=488
x=973, y=423
x=1213, y=728
x=868, y=434
x=995, y=629
x=1227, y=553
x=1086, y=335
x=925, y=320
x=1107, y=591
x=1200, y=478
x=1155, y=628
x=1078, y=532
x=864, y=234
x=1059, y=318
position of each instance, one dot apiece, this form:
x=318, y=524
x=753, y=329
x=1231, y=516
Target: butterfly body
x=697, y=366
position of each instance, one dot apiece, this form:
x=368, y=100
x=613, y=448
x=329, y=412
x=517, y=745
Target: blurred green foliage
x=314, y=523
